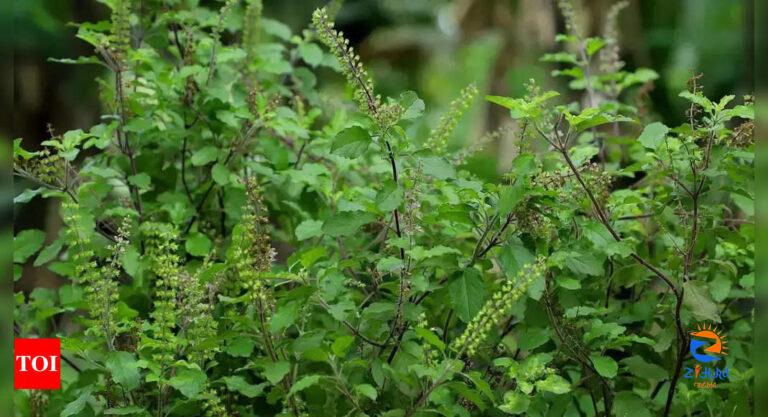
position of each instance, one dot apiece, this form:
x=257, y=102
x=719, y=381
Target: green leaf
x=125, y=369
x=275, y=28
x=584, y=263
x=431, y=338
x=27, y=195
x=593, y=45
x=240, y=346
x=198, y=244
x=26, y=244
x=284, y=317
x=220, y=174
x=346, y=223
x=275, y=371
x=389, y=264
x=204, y=155
x=627, y=404
x=555, y=384
x=131, y=261
x=467, y=294
x=239, y=384
x=351, y=142
x=515, y=403
x=78, y=405
x=304, y=383
x=311, y=53
x=605, y=365
x=438, y=167
x=534, y=337
x=366, y=390
x=18, y=151
x=509, y=197
x=640, y=368
x=698, y=99
x=413, y=106
x=309, y=229
x=390, y=198
x=418, y=253
x=49, y=252
x=513, y=256
x=189, y=382
x=141, y=180
x=510, y=103
x=653, y=135
x=341, y=345
x=698, y=301
x=124, y=411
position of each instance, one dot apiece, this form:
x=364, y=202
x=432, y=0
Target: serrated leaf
x=189, y=382
x=351, y=142
x=640, y=368
x=430, y=338
x=275, y=371
x=284, y=317
x=309, y=229
x=366, y=390
x=389, y=199
x=627, y=404
x=346, y=223
x=438, y=167
x=341, y=345
x=509, y=197
x=413, y=106
x=467, y=294
x=220, y=174
x=125, y=411
x=389, y=264
x=204, y=156
x=239, y=384
x=240, y=346
x=311, y=53
x=125, y=369
x=653, y=135
x=698, y=301
x=78, y=405
x=198, y=244
x=515, y=403
x=304, y=383
x=698, y=99
x=605, y=365
x=555, y=384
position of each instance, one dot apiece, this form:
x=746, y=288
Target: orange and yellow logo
x=714, y=341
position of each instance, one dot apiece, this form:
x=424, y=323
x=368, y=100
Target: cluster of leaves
x=245, y=246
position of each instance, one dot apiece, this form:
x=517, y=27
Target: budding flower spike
x=358, y=79
x=497, y=308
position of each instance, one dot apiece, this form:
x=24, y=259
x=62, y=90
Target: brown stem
x=126, y=145
x=678, y=291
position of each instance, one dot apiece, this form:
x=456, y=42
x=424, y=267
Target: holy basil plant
x=237, y=242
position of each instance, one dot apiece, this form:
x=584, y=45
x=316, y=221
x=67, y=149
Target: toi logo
x=37, y=364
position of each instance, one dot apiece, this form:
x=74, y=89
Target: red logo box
x=37, y=364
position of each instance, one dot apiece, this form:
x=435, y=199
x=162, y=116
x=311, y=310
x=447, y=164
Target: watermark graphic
x=37, y=364
x=707, y=346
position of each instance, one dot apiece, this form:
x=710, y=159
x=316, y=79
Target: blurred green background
x=434, y=47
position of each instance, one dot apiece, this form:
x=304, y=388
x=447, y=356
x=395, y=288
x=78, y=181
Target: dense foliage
x=237, y=243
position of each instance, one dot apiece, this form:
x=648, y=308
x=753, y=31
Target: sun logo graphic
x=711, y=340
